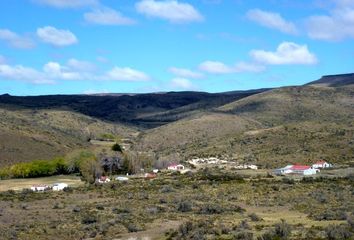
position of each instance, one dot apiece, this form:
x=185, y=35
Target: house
x=321, y=164
x=296, y=169
x=103, y=179
x=122, y=179
x=284, y=170
x=150, y=175
x=175, y=167
x=59, y=186
x=155, y=170
x=303, y=170
x=39, y=188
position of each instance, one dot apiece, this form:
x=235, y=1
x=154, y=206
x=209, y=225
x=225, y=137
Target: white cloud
x=72, y=70
x=27, y=74
x=271, y=20
x=81, y=65
x=126, y=74
x=107, y=16
x=67, y=3
x=171, y=10
x=15, y=40
x=56, y=37
x=286, y=53
x=215, y=67
x=182, y=83
x=336, y=26
x=54, y=70
x=249, y=67
x=185, y=73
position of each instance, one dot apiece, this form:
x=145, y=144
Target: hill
x=335, y=80
x=269, y=127
x=290, y=124
x=27, y=135
x=139, y=110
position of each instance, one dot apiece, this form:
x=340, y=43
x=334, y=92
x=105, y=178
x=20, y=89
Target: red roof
x=300, y=167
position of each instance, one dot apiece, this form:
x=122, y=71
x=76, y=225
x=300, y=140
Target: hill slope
x=43, y=134
x=291, y=124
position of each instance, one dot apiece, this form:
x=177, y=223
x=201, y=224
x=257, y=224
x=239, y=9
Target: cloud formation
x=56, y=37
x=215, y=67
x=286, y=53
x=185, y=73
x=171, y=10
x=107, y=16
x=271, y=20
x=73, y=70
x=126, y=74
x=15, y=40
x=182, y=83
x=336, y=26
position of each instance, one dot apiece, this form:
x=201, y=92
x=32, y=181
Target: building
x=175, y=167
x=103, y=179
x=39, y=188
x=303, y=170
x=321, y=164
x=284, y=170
x=59, y=186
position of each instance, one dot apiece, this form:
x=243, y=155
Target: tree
x=117, y=148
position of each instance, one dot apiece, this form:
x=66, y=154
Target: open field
x=212, y=203
x=19, y=184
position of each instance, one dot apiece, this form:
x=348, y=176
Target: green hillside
x=43, y=134
x=285, y=125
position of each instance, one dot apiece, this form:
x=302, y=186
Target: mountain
x=269, y=127
x=289, y=124
x=335, y=80
x=31, y=134
x=138, y=110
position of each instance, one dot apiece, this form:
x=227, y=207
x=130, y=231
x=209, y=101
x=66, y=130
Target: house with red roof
x=321, y=164
x=303, y=170
x=175, y=167
x=296, y=169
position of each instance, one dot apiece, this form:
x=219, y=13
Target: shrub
x=254, y=217
x=89, y=219
x=336, y=232
x=211, y=209
x=282, y=230
x=117, y=148
x=184, y=206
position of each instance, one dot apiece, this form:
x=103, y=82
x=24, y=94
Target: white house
x=175, y=167
x=59, y=186
x=303, y=170
x=284, y=170
x=39, y=188
x=103, y=179
x=321, y=164
x=122, y=179
x=296, y=169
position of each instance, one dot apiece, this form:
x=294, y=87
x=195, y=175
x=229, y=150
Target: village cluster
x=287, y=170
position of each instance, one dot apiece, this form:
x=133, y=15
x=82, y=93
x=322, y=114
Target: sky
x=126, y=46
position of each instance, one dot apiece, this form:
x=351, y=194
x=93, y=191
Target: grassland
x=210, y=204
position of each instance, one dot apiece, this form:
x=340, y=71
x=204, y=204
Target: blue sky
x=92, y=46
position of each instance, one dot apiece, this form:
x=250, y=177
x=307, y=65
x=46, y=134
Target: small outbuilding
x=103, y=179
x=175, y=167
x=59, y=186
x=39, y=188
x=322, y=164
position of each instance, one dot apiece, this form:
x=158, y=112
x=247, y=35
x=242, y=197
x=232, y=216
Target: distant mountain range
x=265, y=126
